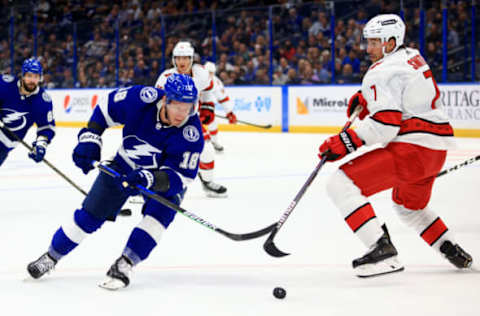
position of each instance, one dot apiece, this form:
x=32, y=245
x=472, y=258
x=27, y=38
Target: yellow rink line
x=459, y=132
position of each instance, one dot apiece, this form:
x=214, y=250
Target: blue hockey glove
x=39, y=149
x=136, y=177
x=88, y=149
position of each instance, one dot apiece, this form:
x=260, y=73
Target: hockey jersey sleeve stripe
x=209, y=87
x=6, y=141
x=224, y=100
x=418, y=125
x=41, y=128
x=434, y=231
x=208, y=106
x=360, y=216
x=108, y=119
x=388, y=117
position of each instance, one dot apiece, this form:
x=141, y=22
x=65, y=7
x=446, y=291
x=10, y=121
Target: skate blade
x=111, y=284
x=216, y=195
x=390, y=265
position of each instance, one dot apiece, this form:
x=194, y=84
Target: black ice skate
x=456, y=255
x=213, y=189
x=118, y=276
x=42, y=265
x=380, y=259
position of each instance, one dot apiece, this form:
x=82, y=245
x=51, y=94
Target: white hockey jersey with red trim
x=402, y=100
x=201, y=78
x=221, y=95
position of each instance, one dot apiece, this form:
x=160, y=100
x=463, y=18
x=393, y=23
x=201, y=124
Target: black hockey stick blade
x=270, y=247
x=247, y=236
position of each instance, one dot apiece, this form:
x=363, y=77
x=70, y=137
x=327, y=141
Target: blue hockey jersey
x=19, y=112
x=146, y=141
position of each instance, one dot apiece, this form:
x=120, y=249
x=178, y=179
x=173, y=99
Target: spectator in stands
x=96, y=47
x=48, y=82
x=67, y=79
x=279, y=78
x=292, y=77
x=346, y=75
x=321, y=25
x=250, y=72
x=289, y=50
x=141, y=73
x=261, y=77
x=307, y=76
x=323, y=74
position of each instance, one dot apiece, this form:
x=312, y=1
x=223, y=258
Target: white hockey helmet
x=210, y=67
x=384, y=27
x=183, y=48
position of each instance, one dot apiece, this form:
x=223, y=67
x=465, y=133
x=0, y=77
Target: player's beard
x=29, y=88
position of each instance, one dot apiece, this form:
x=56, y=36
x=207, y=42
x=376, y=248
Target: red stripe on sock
x=433, y=232
x=207, y=166
x=360, y=216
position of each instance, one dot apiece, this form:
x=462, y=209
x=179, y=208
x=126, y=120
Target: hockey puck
x=279, y=292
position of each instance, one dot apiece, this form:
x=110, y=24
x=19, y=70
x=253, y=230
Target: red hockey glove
x=357, y=100
x=232, y=118
x=207, y=114
x=338, y=146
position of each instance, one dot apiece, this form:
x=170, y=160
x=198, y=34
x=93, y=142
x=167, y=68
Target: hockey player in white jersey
x=400, y=111
x=182, y=59
x=224, y=100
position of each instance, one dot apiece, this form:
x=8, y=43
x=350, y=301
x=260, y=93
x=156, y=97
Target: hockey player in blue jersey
x=160, y=150
x=22, y=103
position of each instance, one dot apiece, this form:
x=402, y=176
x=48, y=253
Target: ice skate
x=380, y=259
x=456, y=255
x=118, y=276
x=217, y=146
x=213, y=189
x=42, y=265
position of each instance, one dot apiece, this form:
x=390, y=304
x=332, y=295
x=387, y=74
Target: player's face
x=177, y=112
x=374, y=49
x=183, y=64
x=30, y=81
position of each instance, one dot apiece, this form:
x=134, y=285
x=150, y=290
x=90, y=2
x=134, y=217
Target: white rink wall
x=288, y=108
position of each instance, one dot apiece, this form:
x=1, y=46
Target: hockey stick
x=195, y=218
x=456, y=167
x=246, y=123
x=124, y=212
x=269, y=245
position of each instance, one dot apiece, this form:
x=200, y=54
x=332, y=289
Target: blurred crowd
x=302, y=42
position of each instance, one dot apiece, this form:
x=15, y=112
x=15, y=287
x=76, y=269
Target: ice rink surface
x=195, y=271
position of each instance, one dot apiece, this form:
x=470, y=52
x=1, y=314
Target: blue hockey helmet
x=32, y=65
x=181, y=88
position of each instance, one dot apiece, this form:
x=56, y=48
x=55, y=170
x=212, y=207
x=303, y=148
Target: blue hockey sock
x=71, y=234
x=139, y=246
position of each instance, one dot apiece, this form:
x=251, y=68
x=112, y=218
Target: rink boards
x=303, y=108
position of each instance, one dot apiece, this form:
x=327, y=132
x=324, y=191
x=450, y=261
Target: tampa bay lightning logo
x=13, y=120
x=191, y=133
x=148, y=94
x=140, y=152
x=8, y=78
x=46, y=97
